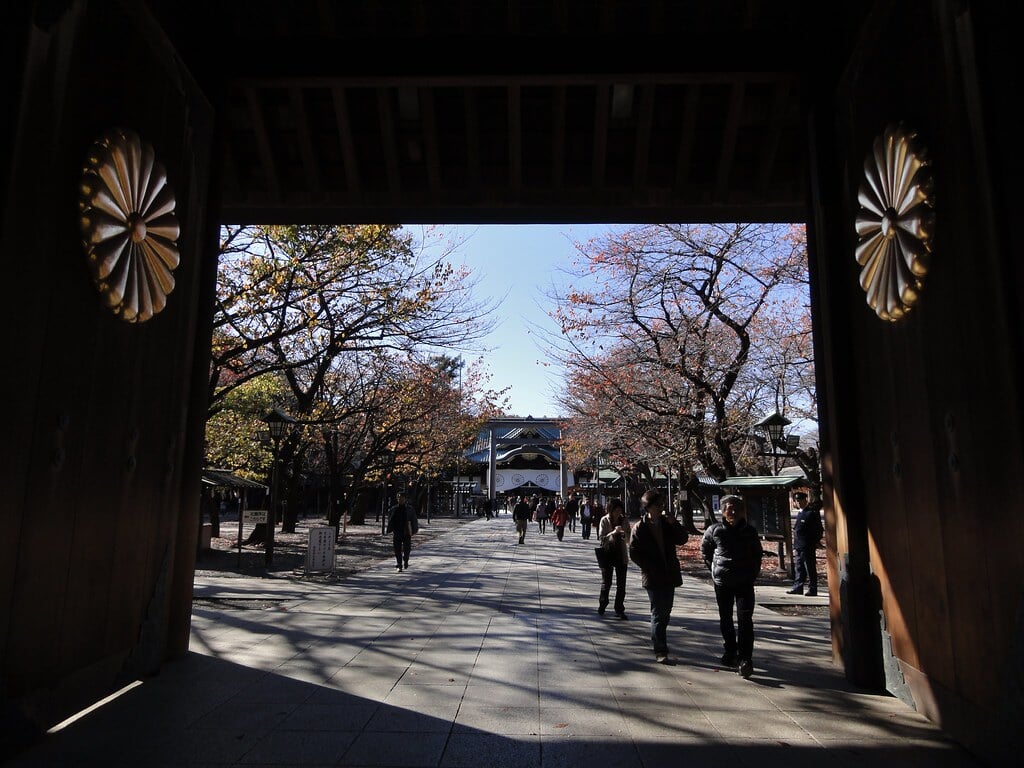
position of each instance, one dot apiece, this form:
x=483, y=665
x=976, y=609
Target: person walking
x=400, y=522
x=732, y=552
x=558, y=521
x=521, y=515
x=652, y=546
x=572, y=509
x=541, y=514
x=613, y=533
x=590, y=513
x=807, y=531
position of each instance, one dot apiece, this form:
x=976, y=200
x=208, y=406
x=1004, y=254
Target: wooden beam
x=348, y=150
x=642, y=144
x=558, y=137
x=387, y=137
x=601, y=117
x=472, y=141
x=686, y=137
x=773, y=136
x=259, y=126
x=515, y=142
x=302, y=137
x=729, y=134
x=325, y=15
x=428, y=130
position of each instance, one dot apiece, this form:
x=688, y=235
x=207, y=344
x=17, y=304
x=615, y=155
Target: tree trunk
x=215, y=519
x=686, y=517
x=258, y=534
x=290, y=514
x=362, y=502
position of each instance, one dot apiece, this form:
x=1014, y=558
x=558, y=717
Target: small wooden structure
x=769, y=509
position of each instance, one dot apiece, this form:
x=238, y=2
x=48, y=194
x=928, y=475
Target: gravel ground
x=358, y=547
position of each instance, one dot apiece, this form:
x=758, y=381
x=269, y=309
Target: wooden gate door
x=107, y=314
x=923, y=375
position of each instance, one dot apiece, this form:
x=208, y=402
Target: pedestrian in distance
x=590, y=514
x=559, y=520
x=521, y=515
x=731, y=549
x=572, y=508
x=400, y=525
x=541, y=514
x=613, y=533
x=807, y=531
x=652, y=546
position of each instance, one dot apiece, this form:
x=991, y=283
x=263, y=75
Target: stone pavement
x=486, y=653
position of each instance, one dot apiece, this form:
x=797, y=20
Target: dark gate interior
x=515, y=112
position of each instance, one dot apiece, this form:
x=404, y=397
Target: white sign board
x=320, y=551
x=549, y=479
x=254, y=516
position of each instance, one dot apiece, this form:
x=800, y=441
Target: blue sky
x=521, y=261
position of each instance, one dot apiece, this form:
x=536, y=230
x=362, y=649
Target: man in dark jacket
x=521, y=514
x=400, y=524
x=732, y=551
x=652, y=547
x=572, y=509
x=807, y=530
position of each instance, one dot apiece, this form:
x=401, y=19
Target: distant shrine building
x=513, y=456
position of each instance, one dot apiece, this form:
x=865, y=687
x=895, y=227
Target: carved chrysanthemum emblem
x=129, y=230
x=895, y=222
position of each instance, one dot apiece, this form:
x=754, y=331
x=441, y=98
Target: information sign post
x=320, y=549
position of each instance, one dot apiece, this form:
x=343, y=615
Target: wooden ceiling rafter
x=473, y=158
x=558, y=105
x=263, y=144
x=599, y=162
x=515, y=141
x=431, y=155
x=385, y=115
x=773, y=136
x=526, y=108
x=349, y=158
x=642, y=142
x=304, y=141
x=687, y=134
x=730, y=133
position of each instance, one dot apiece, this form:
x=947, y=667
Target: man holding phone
x=652, y=547
x=807, y=531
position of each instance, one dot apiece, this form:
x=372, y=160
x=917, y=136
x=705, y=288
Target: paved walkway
x=485, y=653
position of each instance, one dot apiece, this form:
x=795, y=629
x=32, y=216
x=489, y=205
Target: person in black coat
x=521, y=515
x=572, y=509
x=652, y=546
x=613, y=531
x=807, y=531
x=732, y=551
x=400, y=523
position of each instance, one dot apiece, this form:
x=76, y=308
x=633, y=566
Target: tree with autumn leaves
x=340, y=325
x=677, y=339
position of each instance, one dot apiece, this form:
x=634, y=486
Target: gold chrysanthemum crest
x=129, y=230
x=895, y=222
